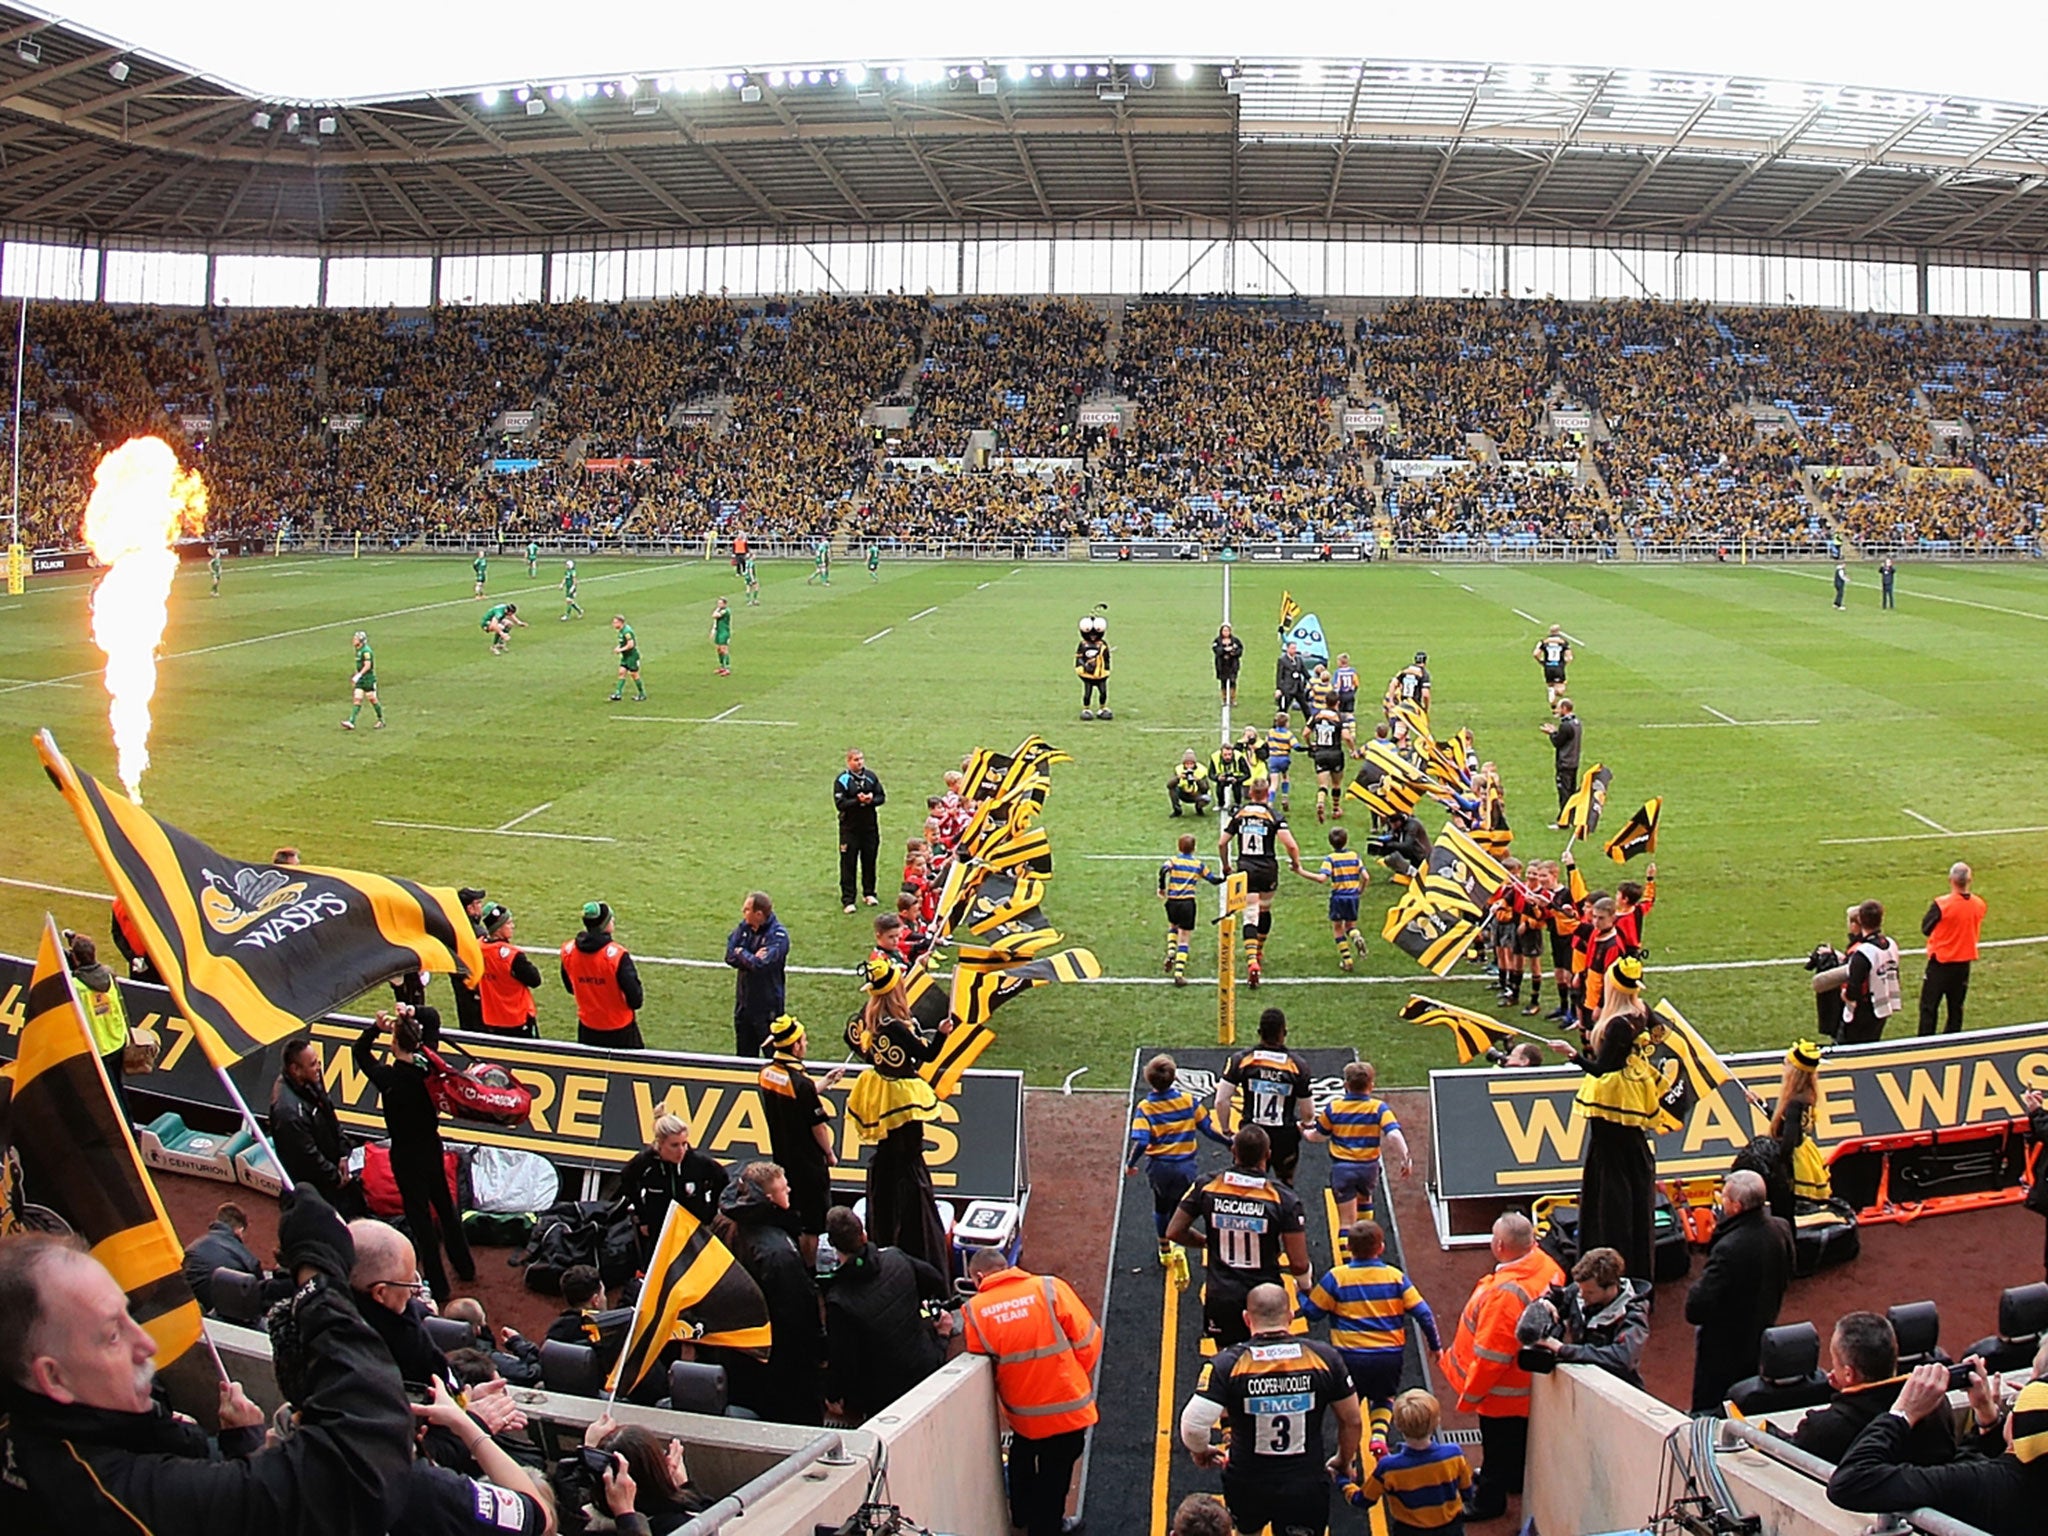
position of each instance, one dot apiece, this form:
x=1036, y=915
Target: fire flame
x=140, y=498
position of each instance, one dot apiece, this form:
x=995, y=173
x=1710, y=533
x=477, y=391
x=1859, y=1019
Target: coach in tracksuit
x=858, y=794
x=1566, y=735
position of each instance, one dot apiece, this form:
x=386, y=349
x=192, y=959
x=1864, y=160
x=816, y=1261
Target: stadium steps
x=1113, y=343
x=216, y=383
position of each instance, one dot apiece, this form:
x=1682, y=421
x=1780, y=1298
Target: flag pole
x=248, y=1118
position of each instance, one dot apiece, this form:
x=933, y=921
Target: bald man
x=1736, y=1297
x=388, y=1288
x=1480, y=1364
x=1951, y=925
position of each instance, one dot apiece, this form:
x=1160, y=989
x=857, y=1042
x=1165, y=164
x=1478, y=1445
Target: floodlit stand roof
x=164, y=155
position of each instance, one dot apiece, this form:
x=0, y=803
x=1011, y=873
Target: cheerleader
x=1792, y=1125
x=890, y=1105
x=1621, y=1103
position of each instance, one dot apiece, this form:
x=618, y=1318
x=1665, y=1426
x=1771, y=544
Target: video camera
x=1825, y=957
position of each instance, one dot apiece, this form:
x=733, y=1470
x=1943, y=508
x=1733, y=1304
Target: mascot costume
x=1091, y=665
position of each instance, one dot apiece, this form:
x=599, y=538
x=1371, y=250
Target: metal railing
x=1735, y=1432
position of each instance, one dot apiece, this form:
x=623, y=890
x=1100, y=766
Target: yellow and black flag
x=695, y=1293
x=1475, y=1033
x=1290, y=612
x=1387, y=784
x=1433, y=936
x=982, y=985
x=58, y=1116
x=249, y=951
x=1640, y=835
x=1582, y=811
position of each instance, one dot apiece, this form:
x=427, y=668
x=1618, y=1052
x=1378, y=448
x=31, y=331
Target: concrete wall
x=1597, y=1455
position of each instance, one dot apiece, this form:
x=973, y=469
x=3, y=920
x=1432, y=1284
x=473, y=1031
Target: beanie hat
x=495, y=916
x=1804, y=1055
x=785, y=1034
x=2030, y=1422
x=596, y=914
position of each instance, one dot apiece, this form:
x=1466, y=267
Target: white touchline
x=1926, y=597
x=314, y=629
x=526, y=816
x=1927, y=821
x=1729, y=719
x=58, y=890
x=1928, y=837
x=439, y=826
x=1122, y=857
x=922, y=612
x=695, y=720
x=1464, y=587
x=1714, y=725
x=31, y=683
x=726, y=714
x=983, y=587
x=1529, y=616
x=1175, y=730
x=871, y=639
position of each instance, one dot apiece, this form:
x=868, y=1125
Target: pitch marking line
x=1927, y=597
x=56, y=890
x=314, y=629
x=504, y=831
x=922, y=613
x=1715, y=725
x=726, y=714
x=984, y=586
x=1725, y=719
x=1463, y=588
x=1927, y=821
x=526, y=816
x=871, y=639
x=1928, y=837
x=1521, y=614
x=722, y=719
x=24, y=682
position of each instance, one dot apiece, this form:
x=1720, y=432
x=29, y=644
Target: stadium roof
x=112, y=142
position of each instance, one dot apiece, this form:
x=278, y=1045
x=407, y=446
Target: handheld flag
x=249, y=951
x=1639, y=835
x=58, y=1117
x=695, y=1291
x=1475, y=1033
x=1290, y=613
x=1582, y=811
x=1387, y=784
x=1440, y=916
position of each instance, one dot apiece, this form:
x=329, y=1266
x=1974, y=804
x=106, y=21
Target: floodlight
x=1102, y=71
x=522, y=95
x=665, y=84
x=1183, y=70
x=1111, y=90
x=750, y=94
x=630, y=85
x=1141, y=71
x=1059, y=71
x=326, y=126
x=487, y=99
x=1519, y=78
x=986, y=86
x=535, y=106
x=812, y=76
x=646, y=106
x=775, y=78
x=29, y=51
x=118, y=71
x=291, y=122
x=556, y=93
x=857, y=74
x=1038, y=71
x=1015, y=69
x=260, y=121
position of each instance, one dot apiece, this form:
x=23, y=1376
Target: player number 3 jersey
x=1274, y=1391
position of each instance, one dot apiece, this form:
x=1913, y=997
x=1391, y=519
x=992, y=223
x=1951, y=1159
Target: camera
x=1825, y=957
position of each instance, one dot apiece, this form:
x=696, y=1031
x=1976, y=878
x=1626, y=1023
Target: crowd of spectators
x=1016, y=366
x=932, y=506
x=1498, y=505
x=1452, y=367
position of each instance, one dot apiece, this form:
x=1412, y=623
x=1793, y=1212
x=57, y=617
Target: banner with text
x=1512, y=1133
x=591, y=1108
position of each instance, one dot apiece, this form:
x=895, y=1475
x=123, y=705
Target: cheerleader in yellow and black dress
x=1792, y=1126
x=889, y=1106
x=1621, y=1101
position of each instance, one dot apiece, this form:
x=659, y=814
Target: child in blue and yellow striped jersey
x=1368, y=1302
x=1423, y=1480
x=1163, y=1129
x=1344, y=873
x=1359, y=1127
x=1180, y=880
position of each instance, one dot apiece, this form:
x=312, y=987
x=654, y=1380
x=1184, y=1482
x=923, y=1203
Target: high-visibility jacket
x=1954, y=934
x=1044, y=1346
x=109, y=1019
x=1480, y=1363
x=507, y=1001
x=594, y=978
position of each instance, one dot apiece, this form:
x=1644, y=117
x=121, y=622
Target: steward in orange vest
x=1045, y=1347
x=1951, y=925
x=1480, y=1364
x=509, y=981
x=599, y=974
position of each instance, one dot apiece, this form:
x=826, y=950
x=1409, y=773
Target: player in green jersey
x=481, y=566
x=874, y=563
x=499, y=623
x=629, y=660
x=821, y=564
x=569, y=603
x=753, y=581
x=364, y=683
x=721, y=636
x=532, y=557
x=213, y=567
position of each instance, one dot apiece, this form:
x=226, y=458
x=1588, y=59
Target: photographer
x=1830, y=969
x=878, y=1341
x=1188, y=784
x=1401, y=843
x=1602, y=1317
x=508, y=1499
x=625, y=1479
x=1870, y=983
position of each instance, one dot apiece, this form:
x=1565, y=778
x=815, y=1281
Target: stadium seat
x=450, y=1334
x=570, y=1369
x=2022, y=1318
x=238, y=1297
x=1918, y=1326
x=694, y=1387
x=1788, y=1373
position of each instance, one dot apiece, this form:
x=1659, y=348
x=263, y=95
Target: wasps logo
x=252, y=896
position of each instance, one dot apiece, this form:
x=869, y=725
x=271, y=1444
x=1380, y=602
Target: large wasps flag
x=695, y=1292
x=1387, y=784
x=1639, y=835
x=1582, y=811
x=57, y=1114
x=1475, y=1033
x=250, y=951
x=979, y=989
x=1440, y=915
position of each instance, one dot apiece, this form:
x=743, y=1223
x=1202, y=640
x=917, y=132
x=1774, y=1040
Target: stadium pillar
x=547, y=277
x=1920, y=280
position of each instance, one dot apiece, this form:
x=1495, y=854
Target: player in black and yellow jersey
x=1252, y=1232
x=1277, y=1098
x=1180, y=879
x=1271, y=1393
x=1260, y=833
x=1553, y=653
x=1343, y=873
x=1326, y=748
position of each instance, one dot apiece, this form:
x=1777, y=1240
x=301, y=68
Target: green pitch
x=1932, y=713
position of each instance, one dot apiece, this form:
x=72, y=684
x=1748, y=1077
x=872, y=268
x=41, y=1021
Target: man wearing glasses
x=388, y=1291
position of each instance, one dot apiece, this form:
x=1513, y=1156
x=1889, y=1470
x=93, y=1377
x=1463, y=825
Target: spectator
x=649, y=1492
x=583, y=1318
x=512, y=1355
x=799, y=1129
x=670, y=1172
x=599, y=973
x=437, y=1496
x=858, y=794
x=387, y=1287
x=1601, y=1318
x=418, y=1160
x=77, y=1369
x=878, y=1341
x=1045, y=1347
x=1863, y=1364
x=1749, y=1262
x=2003, y=1497
x=756, y=1223
x=304, y=1131
x=220, y=1246
x=1480, y=1364
x=758, y=949
x=1951, y=926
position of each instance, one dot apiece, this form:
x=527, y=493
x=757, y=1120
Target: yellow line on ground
x=1376, y=1516
x=1167, y=1427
